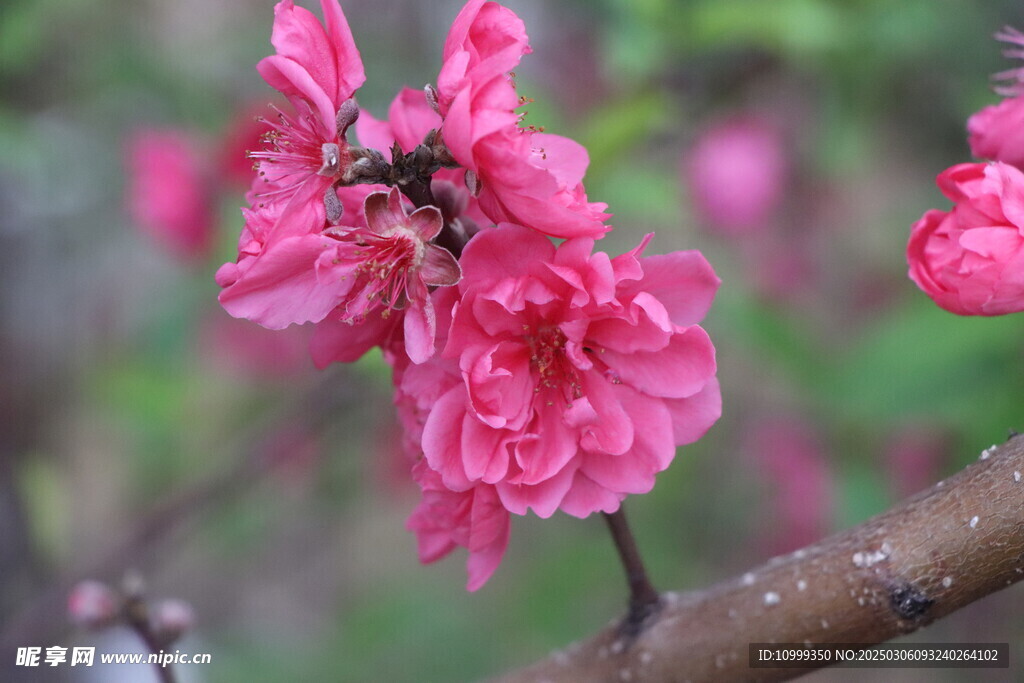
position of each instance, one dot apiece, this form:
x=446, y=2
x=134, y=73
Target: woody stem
x=644, y=600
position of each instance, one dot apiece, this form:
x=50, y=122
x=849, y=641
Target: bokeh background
x=792, y=141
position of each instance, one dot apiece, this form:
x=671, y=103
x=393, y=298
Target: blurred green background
x=270, y=495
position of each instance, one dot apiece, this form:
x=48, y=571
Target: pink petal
x=283, y=286
x=693, y=416
x=426, y=222
x=420, y=330
x=442, y=439
x=613, y=431
x=680, y=369
x=543, y=498
x=586, y=497
x=651, y=452
x=682, y=281
x=336, y=341
x=505, y=252
x=292, y=80
x=484, y=451
x=440, y=268
x=547, y=448
x=489, y=529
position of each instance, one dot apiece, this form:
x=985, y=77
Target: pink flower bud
x=736, y=174
x=171, y=619
x=93, y=604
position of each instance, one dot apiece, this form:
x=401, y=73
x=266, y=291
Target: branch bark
x=929, y=556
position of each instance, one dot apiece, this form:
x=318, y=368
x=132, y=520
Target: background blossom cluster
x=531, y=371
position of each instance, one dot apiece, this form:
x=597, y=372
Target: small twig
x=136, y=613
x=643, y=598
x=313, y=406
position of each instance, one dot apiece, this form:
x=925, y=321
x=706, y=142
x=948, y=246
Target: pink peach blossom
x=580, y=373
x=736, y=174
x=522, y=175
x=318, y=69
x=168, y=193
x=387, y=265
x=970, y=260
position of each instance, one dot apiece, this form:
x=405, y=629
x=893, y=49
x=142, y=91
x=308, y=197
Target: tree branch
x=929, y=556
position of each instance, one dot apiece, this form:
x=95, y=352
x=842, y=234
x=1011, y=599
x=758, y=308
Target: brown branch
x=929, y=556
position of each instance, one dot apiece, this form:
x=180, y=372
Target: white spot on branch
x=748, y=579
x=801, y=585
x=974, y=521
x=1016, y=476
x=866, y=559
x=947, y=582
x=772, y=598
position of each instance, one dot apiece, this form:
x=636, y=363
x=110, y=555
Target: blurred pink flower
x=580, y=373
x=93, y=604
x=253, y=350
x=970, y=260
x=169, y=192
x=997, y=132
x=914, y=458
x=521, y=175
x=797, y=473
x=245, y=133
x=736, y=173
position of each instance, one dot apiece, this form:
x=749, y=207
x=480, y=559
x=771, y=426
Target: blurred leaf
x=790, y=26
x=615, y=129
x=926, y=362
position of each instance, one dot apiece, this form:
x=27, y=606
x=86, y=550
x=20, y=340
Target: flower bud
x=171, y=619
x=93, y=604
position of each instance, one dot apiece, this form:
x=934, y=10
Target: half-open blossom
x=580, y=373
x=168, y=191
x=318, y=69
x=736, y=174
x=521, y=175
x=970, y=260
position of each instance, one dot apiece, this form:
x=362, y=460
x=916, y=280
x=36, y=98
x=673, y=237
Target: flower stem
x=644, y=600
x=137, y=616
